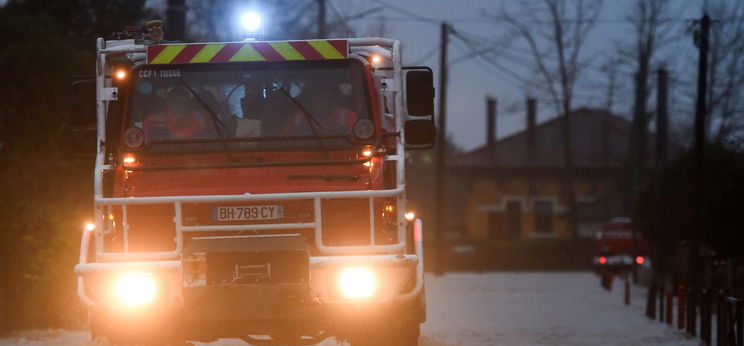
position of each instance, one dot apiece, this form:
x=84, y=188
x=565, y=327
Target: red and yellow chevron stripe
x=247, y=51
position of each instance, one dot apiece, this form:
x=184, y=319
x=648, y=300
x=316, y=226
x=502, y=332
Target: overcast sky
x=471, y=80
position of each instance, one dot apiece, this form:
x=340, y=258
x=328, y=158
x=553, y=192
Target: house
x=518, y=186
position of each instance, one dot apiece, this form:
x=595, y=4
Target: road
x=501, y=309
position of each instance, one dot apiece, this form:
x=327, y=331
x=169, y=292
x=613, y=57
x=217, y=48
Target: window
x=543, y=217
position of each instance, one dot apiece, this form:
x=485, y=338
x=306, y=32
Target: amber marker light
x=89, y=226
x=120, y=74
x=409, y=215
x=129, y=159
x=376, y=59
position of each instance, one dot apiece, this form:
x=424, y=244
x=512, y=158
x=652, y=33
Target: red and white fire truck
x=618, y=250
x=254, y=190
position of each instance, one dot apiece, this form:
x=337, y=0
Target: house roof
x=587, y=144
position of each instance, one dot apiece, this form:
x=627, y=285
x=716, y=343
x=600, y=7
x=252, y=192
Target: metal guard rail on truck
x=101, y=202
x=84, y=268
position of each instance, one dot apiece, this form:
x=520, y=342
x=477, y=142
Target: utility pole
x=662, y=126
x=701, y=39
x=321, y=19
x=175, y=27
x=662, y=117
x=439, y=211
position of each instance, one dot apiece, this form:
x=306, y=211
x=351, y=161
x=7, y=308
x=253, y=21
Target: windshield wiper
x=310, y=120
x=215, y=119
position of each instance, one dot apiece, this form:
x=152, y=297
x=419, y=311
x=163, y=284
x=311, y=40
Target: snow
x=525, y=308
x=539, y=309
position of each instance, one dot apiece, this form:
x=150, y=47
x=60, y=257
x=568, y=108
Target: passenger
x=182, y=118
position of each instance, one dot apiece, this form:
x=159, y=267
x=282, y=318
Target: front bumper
x=401, y=275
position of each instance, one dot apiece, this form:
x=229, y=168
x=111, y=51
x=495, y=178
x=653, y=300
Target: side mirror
x=421, y=132
x=83, y=103
x=81, y=119
x=420, y=92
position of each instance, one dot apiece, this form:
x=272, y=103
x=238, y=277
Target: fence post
x=681, y=304
x=721, y=318
x=627, y=290
x=669, y=307
x=662, y=289
x=651, y=301
x=739, y=322
x=705, y=316
x=691, y=302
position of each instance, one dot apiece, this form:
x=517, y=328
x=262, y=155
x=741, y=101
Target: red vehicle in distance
x=618, y=249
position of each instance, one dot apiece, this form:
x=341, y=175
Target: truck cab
x=255, y=190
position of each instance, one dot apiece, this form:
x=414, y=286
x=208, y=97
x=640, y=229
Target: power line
x=341, y=20
x=419, y=18
x=426, y=56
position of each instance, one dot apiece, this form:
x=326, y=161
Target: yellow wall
x=488, y=194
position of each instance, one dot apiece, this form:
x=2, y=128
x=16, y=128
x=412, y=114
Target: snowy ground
x=502, y=309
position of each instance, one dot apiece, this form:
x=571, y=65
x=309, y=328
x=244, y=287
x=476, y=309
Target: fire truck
x=617, y=252
x=252, y=190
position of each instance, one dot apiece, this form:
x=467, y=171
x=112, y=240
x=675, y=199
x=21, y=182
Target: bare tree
x=726, y=106
x=555, y=32
x=611, y=69
x=648, y=20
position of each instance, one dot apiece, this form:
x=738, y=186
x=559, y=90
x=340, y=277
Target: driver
x=329, y=109
x=181, y=118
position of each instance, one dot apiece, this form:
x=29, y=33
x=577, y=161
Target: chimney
x=490, y=121
x=531, y=136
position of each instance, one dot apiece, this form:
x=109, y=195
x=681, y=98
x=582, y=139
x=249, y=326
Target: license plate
x=248, y=213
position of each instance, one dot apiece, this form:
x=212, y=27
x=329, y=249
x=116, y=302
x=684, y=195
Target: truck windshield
x=248, y=100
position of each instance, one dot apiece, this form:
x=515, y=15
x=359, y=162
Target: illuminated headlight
x=136, y=289
x=357, y=283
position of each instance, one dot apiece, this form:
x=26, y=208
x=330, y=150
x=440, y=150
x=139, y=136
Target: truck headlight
x=136, y=289
x=357, y=283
